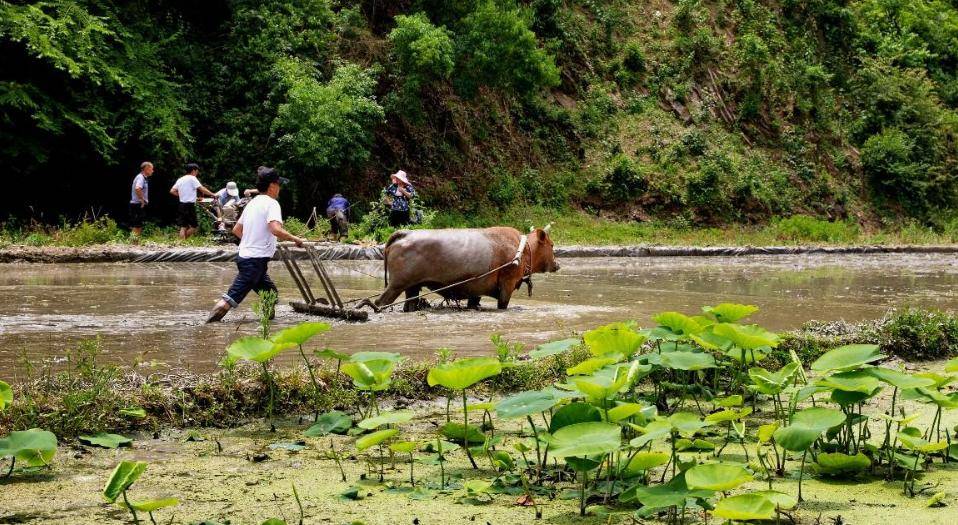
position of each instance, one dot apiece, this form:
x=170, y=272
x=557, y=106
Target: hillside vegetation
x=693, y=112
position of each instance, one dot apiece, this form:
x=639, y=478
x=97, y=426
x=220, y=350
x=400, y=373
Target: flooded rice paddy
x=154, y=312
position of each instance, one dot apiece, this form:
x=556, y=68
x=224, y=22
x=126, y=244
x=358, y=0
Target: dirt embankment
x=334, y=251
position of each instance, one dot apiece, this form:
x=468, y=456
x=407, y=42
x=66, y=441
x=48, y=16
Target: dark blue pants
x=251, y=276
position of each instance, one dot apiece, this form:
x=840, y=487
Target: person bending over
x=258, y=228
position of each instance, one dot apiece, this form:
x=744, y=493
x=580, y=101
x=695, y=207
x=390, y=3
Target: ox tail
x=392, y=238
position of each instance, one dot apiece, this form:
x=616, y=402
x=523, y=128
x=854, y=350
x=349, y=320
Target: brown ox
x=414, y=259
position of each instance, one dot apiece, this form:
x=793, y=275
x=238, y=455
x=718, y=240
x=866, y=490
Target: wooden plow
x=330, y=306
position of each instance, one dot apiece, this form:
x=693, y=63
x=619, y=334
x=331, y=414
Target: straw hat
x=401, y=175
x=231, y=189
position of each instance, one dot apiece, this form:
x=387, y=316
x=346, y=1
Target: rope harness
x=516, y=261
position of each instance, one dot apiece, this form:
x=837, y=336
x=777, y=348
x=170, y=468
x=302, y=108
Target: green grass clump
x=805, y=228
x=921, y=334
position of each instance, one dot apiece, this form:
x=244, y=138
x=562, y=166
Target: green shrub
x=921, y=334
x=86, y=233
x=423, y=51
x=623, y=179
x=805, y=228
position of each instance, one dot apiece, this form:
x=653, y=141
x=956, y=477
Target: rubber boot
x=219, y=311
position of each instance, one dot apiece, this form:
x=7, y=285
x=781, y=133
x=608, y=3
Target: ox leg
x=413, y=301
x=388, y=296
x=473, y=302
x=505, y=294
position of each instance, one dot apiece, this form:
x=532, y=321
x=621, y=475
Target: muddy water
x=153, y=313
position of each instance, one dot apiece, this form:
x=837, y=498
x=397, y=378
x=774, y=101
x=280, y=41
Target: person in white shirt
x=140, y=197
x=257, y=228
x=185, y=189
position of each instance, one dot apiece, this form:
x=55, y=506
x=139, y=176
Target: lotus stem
x=136, y=518
x=312, y=379
x=13, y=462
x=535, y=436
x=152, y=519
x=465, y=431
x=585, y=479
x=299, y=504
x=801, y=474
x=269, y=386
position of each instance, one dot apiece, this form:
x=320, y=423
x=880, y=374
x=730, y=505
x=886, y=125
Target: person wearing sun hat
x=398, y=194
x=228, y=194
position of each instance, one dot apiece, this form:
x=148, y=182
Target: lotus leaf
x=678, y=324
x=771, y=383
x=153, y=505
x=124, y=475
x=688, y=360
x=727, y=415
x=553, y=348
x=6, y=395
x=574, y=413
x=609, y=381
x=848, y=357
x=939, y=379
x=728, y=401
x=256, y=349
x=779, y=499
x=745, y=507
x=933, y=396
x=730, y=312
x=628, y=410
x=386, y=418
x=907, y=462
x=33, y=447
x=329, y=353
x=643, y=461
x=765, y=432
x=585, y=439
x=660, y=333
x=673, y=493
x=709, y=340
x=463, y=373
x=853, y=381
x=525, y=404
x=683, y=444
x=748, y=337
x=899, y=379
x=657, y=429
x=371, y=370
x=716, y=476
x=299, y=334
x=133, y=412
x=333, y=422
x=404, y=447
x=806, y=426
x=615, y=338
x=686, y=423
x=371, y=440
x=592, y=364
x=838, y=464
x=105, y=440
x=454, y=430
x=920, y=445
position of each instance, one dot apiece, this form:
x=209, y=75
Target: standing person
x=258, y=228
x=185, y=189
x=140, y=197
x=398, y=194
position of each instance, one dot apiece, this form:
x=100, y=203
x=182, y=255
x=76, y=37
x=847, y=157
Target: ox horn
x=532, y=229
x=547, y=228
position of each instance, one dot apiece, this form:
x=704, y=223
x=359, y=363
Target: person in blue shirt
x=336, y=213
x=398, y=194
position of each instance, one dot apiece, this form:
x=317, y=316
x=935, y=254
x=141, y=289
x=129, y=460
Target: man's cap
x=231, y=189
x=266, y=175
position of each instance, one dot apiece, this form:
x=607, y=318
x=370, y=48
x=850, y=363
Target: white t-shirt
x=257, y=240
x=187, y=186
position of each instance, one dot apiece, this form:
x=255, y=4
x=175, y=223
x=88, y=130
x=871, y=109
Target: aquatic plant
x=124, y=476
x=6, y=395
x=262, y=351
x=459, y=375
x=33, y=448
x=299, y=335
x=371, y=372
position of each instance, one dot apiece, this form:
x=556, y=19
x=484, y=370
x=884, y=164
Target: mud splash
x=154, y=312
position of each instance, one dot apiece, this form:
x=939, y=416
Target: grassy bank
x=569, y=227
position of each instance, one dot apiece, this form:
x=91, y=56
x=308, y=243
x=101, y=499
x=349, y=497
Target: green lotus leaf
x=133, y=412
x=371, y=440
x=299, y=334
x=463, y=373
x=673, y=493
x=554, y=348
x=657, y=429
x=628, y=410
x=153, y=505
x=848, y=357
x=688, y=360
x=256, y=349
x=838, y=464
x=686, y=423
x=660, y=333
x=765, y=432
x=729, y=401
x=745, y=507
x=105, y=440
x=34, y=447
x=333, y=422
x=371, y=370
x=779, y=499
x=585, y=439
x=940, y=380
x=845, y=398
x=727, y=415
x=730, y=312
x=677, y=323
x=607, y=382
x=749, y=337
x=771, y=383
x=6, y=395
x=806, y=426
x=329, y=353
x=454, y=431
x=386, y=418
x=709, y=340
x=920, y=445
x=899, y=379
x=525, y=404
x=124, y=475
x=572, y=414
x=404, y=447
x=643, y=461
x=592, y=364
x=860, y=381
x=615, y=338
x=683, y=445
x=716, y=476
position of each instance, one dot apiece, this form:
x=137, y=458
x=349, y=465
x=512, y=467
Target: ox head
x=543, y=256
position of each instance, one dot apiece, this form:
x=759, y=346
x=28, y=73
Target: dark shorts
x=251, y=276
x=186, y=215
x=398, y=218
x=137, y=215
